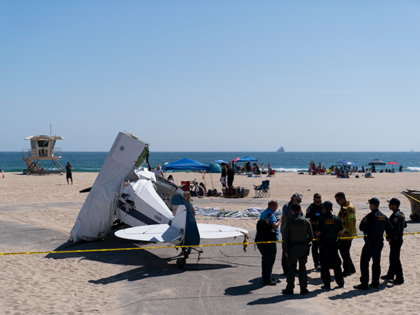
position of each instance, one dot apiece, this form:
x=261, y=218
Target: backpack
x=265, y=231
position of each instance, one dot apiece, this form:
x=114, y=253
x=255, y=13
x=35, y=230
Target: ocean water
x=281, y=162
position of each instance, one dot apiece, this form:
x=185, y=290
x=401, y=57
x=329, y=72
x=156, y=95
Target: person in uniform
x=286, y=214
x=314, y=213
x=373, y=226
x=395, y=240
x=269, y=251
x=327, y=229
x=297, y=235
x=347, y=215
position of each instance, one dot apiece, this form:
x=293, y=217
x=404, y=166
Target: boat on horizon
x=281, y=149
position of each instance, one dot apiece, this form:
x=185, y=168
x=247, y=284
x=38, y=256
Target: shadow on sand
x=149, y=264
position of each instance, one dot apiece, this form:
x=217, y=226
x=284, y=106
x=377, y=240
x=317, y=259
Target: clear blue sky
x=212, y=75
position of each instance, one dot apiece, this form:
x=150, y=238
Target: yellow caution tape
x=163, y=247
x=410, y=197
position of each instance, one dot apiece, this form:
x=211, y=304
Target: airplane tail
x=185, y=220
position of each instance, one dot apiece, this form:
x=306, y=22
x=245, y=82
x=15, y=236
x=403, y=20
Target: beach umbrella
x=393, y=163
x=235, y=159
x=246, y=159
x=377, y=162
x=346, y=162
x=219, y=162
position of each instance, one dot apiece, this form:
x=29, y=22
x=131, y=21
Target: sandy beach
x=38, y=284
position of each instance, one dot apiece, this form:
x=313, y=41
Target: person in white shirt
x=158, y=171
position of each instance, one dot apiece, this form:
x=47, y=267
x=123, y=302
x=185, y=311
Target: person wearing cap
x=328, y=228
x=347, y=214
x=158, y=171
x=314, y=213
x=286, y=215
x=373, y=226
x=297, y=235
x=395, y=240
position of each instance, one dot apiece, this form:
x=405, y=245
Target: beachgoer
x=287, y=214
x=170, y=178
x=395, y=240
x=187, y=196
x=401, y=168
x=158, y=171
x=230, y=175
x=68, y=173
x=297, y=235
x=328, y=228
x=363, y=169
x=373, y=226
x=262, y=167
x=347, y=215
x=223, y=178
x=269, y=251
x=314, y=212
x=269, y=170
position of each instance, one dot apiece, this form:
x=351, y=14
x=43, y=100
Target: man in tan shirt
x=347, y=215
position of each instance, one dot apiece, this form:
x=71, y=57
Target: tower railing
x=26, y=154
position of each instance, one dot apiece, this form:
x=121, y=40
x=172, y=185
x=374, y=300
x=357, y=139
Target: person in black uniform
x=328, y=228
x=395, y=240
x=373, y=226
x=314, y=213
x=297, y=235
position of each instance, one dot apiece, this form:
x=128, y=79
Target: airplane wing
x=211, y=231
x=166, y=233
x=150, y=233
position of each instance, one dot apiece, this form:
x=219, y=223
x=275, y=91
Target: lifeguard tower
x=42, y=149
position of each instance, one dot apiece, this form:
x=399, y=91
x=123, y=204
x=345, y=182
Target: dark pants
x=395, y=268
x=345, y=255
x=330, y=260
x=297, y=253
x=370, y=250
x=230, y=181
x=315, y=253
x=284, y=263
x=268, y=257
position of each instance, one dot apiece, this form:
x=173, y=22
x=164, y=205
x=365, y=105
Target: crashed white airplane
x=127, y=191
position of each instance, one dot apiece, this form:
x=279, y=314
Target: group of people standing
x=334, y=235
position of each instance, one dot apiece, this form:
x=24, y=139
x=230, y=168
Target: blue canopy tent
x=219, y=162
x=247, y=159
x=187, y=165
x=346, y=162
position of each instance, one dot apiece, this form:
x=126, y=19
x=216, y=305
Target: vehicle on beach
x=196, y=189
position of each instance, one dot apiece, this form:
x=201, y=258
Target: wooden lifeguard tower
x=43, y=149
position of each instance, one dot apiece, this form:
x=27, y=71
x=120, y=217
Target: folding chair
x=265, y=189
x=185, y=185
x=258, y=190
x=262, y=190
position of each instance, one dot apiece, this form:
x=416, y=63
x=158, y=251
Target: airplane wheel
x=415, y=217
x=180, y=262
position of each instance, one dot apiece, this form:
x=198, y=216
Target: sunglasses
x=318, y=201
